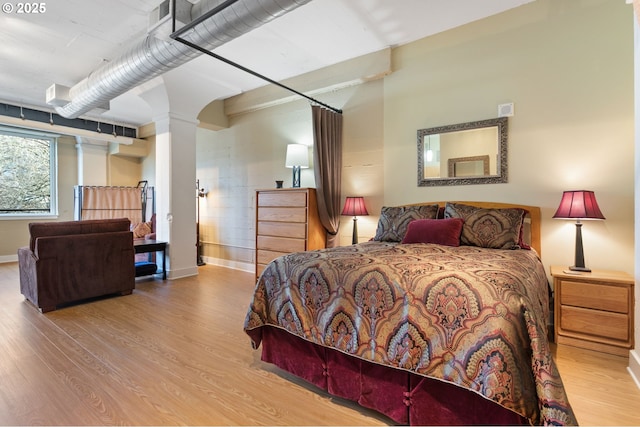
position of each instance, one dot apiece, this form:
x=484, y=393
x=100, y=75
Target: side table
x=147, y=246
x=594, y=310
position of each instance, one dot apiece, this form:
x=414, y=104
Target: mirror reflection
x=465, y=153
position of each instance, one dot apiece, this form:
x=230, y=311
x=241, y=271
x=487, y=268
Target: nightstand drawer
x=593, y=322
x=596, y=296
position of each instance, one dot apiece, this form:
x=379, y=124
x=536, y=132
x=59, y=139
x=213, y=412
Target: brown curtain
x=112, y=202
x=327, y=164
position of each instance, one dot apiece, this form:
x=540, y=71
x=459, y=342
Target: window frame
x=53, y=173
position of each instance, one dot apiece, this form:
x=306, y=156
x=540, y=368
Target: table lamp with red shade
x=579, y=205
x=354, y=206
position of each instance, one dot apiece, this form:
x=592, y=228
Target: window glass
x=27, y=173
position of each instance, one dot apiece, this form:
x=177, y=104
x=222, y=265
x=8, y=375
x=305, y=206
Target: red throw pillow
x=439, y=231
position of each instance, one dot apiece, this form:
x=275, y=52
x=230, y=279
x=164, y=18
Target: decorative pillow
x=393, y=222
x=439, y=231
x=488, y=228
x=141, y=229
x=525, y=228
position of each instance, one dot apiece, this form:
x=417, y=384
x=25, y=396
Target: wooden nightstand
x=594, y=310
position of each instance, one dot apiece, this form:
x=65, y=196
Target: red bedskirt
x=404, y=397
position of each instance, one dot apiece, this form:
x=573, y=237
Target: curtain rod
x=176, y=36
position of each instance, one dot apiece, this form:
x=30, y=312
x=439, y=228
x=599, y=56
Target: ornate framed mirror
x=464, y=153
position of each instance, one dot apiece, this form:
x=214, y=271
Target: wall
x=120, y=171
x=634, y=355
x=14, y=233
x=568, y=68
x=572, y=129
x=124, y=170
x=233, y=163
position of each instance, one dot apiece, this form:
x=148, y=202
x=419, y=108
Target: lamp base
x=199, y=261
x=296, y=177
x=354, y=235
x=579, y=260
x=582, y=269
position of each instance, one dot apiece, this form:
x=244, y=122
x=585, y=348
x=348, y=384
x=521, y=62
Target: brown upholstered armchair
x=75, y=260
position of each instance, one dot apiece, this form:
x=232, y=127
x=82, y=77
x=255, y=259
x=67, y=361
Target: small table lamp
x=579, y=205
x=297, y=158
x=354, y=206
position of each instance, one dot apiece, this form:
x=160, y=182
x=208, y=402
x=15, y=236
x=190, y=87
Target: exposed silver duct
x=154, y=56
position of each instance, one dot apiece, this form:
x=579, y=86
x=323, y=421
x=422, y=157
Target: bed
x=441, y=319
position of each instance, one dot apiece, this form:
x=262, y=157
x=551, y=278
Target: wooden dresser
x=286, y=221
x=594, y=310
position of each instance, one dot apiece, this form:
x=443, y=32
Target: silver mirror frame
x=501, y=167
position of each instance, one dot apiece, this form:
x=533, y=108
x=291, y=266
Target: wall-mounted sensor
x=505, y=110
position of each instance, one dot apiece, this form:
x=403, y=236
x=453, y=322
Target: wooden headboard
x=533, y=218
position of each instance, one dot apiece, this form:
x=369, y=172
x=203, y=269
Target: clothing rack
x=102, y=202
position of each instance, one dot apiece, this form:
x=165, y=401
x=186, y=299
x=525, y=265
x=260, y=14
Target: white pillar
x=176, y=192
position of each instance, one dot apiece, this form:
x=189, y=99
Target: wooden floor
x=174, y=353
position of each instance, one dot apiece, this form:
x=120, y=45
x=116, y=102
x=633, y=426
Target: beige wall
x=124, y=171
x=15, y=233
x=233, y=163
x=568, y=68
x=566, y=65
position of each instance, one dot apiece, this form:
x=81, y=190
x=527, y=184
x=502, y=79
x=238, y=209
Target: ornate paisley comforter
x=471, y=316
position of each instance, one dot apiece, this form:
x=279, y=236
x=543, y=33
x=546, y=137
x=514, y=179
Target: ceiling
x=72, y=38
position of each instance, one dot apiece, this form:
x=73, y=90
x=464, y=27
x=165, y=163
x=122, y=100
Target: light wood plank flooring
x=174, y=353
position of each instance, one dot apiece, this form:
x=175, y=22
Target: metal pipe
x=152, y=56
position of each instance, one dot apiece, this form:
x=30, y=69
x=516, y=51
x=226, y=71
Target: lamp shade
x=354, y=206
x=297, y=155
x=579, y=204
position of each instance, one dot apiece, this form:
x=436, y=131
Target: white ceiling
x=73, y=37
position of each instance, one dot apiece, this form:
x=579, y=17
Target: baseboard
x=235, y=265
x=8, y=258
x=634, y=366
x=180, y=273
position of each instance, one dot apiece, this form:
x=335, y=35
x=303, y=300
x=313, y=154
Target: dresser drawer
x=283, y=214
x=265, y=256
x=597, y=296
x=594, y=322
x=282, y=198
x=296, y=230
x=287, y=221
x=280, y=244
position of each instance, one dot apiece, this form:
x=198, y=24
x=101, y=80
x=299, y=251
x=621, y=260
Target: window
x=27, y=173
